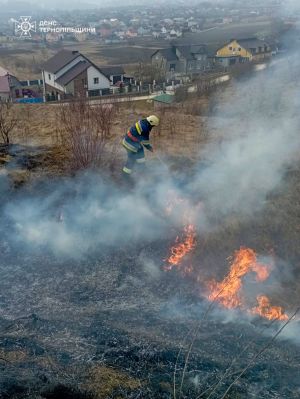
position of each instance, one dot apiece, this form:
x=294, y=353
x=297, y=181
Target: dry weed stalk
x=261, y=351
x=84, y=130
x=228, y=372
x=194, y=332
x=8, y=121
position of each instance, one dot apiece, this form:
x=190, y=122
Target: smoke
x=291, y=333
x=4, y=183
x=80, y=215
x=290, y=7
x=257, y=125
x=150, y=267
x=258, y=135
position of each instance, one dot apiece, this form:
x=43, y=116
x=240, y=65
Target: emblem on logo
x=24, y=27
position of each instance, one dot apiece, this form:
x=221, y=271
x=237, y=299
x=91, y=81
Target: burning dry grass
x=228, y=292
x=182, y=247
x=265, y=309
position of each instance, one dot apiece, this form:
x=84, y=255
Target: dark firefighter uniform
x=135, y=140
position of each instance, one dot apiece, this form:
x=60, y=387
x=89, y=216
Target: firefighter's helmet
x=153, y=120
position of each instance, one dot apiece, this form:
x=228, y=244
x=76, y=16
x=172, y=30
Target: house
x=243, y=50
x=143, y=31
x=174, y=33
x=105, y=32
x=120, y=34
x=115, y=73
x=52, y=37
x=181, y=61
x=10, y=86
x=130, y=33
x=69, y=73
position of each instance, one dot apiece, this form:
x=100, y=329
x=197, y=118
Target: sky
x=29, y=5
x=62, y=4
x=66, y=3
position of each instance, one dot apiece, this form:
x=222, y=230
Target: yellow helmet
x=153, y=120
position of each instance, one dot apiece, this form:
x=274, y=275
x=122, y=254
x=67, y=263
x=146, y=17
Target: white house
x=69, y=73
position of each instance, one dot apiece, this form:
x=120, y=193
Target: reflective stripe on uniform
x=140, y=160
x=145, y=142
x=138, y=127
x=131, y=136
x=127, y=170
x=128, y=146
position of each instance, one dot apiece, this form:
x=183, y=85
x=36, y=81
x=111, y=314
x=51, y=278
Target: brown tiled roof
x=187, y=51
x=252, y=43
x=73, y=72
x=168, y=53
x=59, y=60
x=110, y=70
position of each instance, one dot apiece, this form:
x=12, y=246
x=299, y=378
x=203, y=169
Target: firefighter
x=135, y=140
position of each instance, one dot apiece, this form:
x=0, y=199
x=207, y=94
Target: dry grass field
x=25, y=59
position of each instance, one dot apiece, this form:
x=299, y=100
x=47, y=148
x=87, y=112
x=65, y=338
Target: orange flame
x=227, y=292
x=181, y=249
x=265, y=309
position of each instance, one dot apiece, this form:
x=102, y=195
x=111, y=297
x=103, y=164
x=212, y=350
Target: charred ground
x=109, y=325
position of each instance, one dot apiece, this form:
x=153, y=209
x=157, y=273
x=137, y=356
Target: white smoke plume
x=259, y=132
x=259, y=139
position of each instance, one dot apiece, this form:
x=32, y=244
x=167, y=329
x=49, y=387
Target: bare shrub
x=194, y=107
x=181, y=94
x=8, y=121
x=168, y=122
x=205, y=86
x=171, y=123
x=25, y=112
x=148, y=73
x=168, y=129
x=84, y=130
x=241, y=69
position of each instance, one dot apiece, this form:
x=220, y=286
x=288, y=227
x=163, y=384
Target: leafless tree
x=181, y=94
x=7, y=121
x=149, y=72
x=84, y=130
